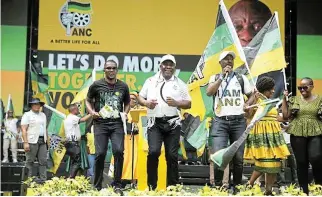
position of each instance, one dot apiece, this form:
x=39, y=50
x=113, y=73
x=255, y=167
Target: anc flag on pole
x=82, y=94
x=9, y=106
x=224, y=38
x=82, y=8
x=56, y=132
x=39, y=85
x=265, y=52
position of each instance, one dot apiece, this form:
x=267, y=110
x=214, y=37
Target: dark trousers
x=160, y=132
x=221, y=132
x=104, y=132
x=74, y=151
x=308, y=150
x=39, y=151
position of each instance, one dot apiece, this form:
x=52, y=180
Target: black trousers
x=308, y=150
x=103, y=132
x=73, y=150
x=160, y=132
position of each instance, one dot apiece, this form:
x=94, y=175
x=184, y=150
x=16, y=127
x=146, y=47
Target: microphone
x=226, y=76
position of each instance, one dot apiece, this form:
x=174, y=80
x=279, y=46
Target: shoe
x=268, y=193
x=118, y=190
x=5, y=161
x=15, y=161
x=235, y=190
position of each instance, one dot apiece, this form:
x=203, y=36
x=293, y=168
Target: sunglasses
x=305, y=88
x=110, y=68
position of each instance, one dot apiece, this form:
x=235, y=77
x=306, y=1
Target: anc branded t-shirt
x=114, y=95
x=232, y=101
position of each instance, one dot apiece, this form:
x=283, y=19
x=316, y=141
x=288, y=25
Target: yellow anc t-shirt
x=90, y=142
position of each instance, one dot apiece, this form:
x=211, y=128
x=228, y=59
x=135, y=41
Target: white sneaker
x=15, y=161
x=5, y=161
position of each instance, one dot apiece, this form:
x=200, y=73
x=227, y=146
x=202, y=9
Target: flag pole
x=55, y=110
x=235, y=38
x=264, y=103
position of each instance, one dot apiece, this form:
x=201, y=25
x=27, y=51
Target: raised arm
x=285, y=109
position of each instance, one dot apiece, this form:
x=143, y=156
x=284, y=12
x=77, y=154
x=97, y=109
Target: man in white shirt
x=163, y=94
x=34, y=134
x=10, y=137
x=228, y=90
x=73, y=137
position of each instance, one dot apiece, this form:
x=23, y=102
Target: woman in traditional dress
x=305, y=112
x=265, y=145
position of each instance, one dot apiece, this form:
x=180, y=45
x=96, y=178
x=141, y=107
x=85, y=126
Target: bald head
x=73, y=109
x=248, y=17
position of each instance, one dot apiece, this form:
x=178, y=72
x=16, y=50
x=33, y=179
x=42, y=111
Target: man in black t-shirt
x=113, y=95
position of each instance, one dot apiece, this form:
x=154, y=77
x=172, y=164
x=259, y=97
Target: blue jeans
x=221, y=132
x=91, y=161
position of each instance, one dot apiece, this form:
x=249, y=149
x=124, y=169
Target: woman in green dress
x=265, y=145
x=305, y=113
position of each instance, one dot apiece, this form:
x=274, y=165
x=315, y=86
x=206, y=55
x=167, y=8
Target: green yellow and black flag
x=265, y=52
x=39, y=85
x=224, y=38
x=83, y=8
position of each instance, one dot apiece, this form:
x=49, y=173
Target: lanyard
x=227, y=84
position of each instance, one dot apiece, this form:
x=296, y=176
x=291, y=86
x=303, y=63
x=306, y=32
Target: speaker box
x=13, y=172
x=15, y=189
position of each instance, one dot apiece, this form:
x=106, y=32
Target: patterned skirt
x=265, y=146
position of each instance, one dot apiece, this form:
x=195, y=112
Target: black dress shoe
x=268, y=193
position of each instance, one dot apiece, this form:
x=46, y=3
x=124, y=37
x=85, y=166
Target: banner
x=73, y=40
x=309, y=42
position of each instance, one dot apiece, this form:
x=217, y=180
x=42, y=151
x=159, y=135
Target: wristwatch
x=221, y=77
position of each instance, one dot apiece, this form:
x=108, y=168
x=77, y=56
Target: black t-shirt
x=114, y=95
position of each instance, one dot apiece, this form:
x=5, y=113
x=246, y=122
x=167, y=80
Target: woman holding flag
x=265, y=145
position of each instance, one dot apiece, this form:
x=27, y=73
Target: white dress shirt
x=156, y=87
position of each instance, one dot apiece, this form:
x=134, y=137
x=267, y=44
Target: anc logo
x=75, y=17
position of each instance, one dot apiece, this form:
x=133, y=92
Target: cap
x=225, y=53
x=168, y=57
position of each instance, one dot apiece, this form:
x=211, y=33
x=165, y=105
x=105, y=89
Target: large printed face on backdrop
x=248, y=17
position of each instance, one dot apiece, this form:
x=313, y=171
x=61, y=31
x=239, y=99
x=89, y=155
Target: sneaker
x=15, y=161
x=5, y=161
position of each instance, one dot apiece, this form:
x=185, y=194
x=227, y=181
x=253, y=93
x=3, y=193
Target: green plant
x=208, y=191
x=315, y=190
x=247, y=190
x=291, y=190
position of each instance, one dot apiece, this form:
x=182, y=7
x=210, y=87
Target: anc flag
x=39, y=85
x=83, y=8
x=56, y=132
x=265, y=52
x=199, y=138
x=82, y=94
x=9, y=104
x=182, y=149
x=224, y=38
